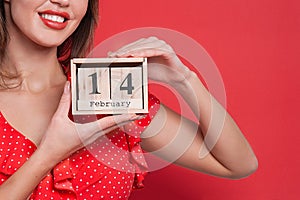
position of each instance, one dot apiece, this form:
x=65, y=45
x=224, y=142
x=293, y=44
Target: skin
x=26, y=52
x=231, y=157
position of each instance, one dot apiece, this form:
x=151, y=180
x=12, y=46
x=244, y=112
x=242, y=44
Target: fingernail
x=117, y=55
x=110, y=54
x=120, y=53
x=138, y=117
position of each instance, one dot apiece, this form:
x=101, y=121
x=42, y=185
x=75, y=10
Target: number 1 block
x=109, y=85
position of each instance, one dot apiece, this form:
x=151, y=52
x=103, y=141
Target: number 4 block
x=109, y=85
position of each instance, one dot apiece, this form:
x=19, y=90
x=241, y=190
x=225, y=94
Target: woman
x=42, y=152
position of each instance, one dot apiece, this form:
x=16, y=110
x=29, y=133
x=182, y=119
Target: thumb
x=65, y=101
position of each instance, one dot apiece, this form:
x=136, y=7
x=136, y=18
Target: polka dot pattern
x=109, y=168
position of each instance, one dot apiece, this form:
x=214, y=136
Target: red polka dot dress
x=110, y=168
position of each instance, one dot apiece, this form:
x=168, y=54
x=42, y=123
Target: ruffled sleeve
x=62, y=175
x=133, y=137
x=112, y=165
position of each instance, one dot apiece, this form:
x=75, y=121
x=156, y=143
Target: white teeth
x=54, y=18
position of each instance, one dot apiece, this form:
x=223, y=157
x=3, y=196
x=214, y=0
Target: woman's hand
x=226, y=151
x=164, y=65
x=63, y=137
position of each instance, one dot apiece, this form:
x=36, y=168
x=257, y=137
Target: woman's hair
x=77, y=45
x=3, y=31
x=80, y=42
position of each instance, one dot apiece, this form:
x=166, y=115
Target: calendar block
x=109, y=85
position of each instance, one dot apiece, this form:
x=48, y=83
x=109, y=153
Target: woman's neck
x=37, y=66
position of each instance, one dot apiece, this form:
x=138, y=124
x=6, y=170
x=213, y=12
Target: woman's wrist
x=188, y=83
x=44, y=159
x=193, y=91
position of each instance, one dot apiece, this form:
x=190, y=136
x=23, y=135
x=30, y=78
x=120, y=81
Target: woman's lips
x=54, y=19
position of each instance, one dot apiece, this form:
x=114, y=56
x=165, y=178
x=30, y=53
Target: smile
x=54, y=20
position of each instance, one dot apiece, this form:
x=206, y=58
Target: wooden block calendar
x=109, y=85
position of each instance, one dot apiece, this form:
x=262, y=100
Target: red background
x=256, y=46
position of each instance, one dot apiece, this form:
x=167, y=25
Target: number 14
x=125, y=85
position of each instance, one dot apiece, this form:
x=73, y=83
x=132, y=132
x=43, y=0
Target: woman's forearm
x=21, y=184
x=222, y=137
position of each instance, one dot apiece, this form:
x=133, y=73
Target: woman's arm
x=226, y=152
x=214, y=145
x=62, y=138
x=21, y=184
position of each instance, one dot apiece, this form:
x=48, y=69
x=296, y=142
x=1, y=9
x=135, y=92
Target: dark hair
x=80, y=42
x=3, y=31
x=77, y=45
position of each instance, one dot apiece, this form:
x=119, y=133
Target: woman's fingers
x=104, y=125
x=97, y=135
x=141, y=45
x=122, y=49
x=164, y=64
x=65, y=101
x=149, y=52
